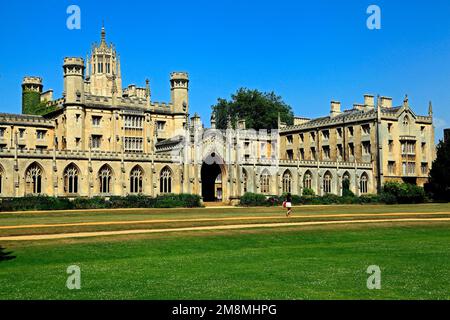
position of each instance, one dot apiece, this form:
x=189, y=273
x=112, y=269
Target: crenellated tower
x=73, y=80
x=179, y=87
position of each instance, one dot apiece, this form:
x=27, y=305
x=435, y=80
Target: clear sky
x=309, y=52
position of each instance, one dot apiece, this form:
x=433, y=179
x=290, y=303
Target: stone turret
x=73, y=80
x=179, y=87
x=31, y=94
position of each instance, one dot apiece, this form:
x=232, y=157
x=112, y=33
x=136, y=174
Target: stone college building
x=101, y=139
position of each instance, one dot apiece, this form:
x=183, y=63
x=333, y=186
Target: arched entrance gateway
x=212, y=174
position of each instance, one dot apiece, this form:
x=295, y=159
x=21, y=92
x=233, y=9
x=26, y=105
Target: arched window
x=287, y=182
x=165, y=181
x=265, y=182
x=1, y=180
x=363, y=184
x=327, y=182
x=307, y=180
x=345, y=183
x=244, y=180
x=136, y=180
x=406, y=121
x=33, y=179
x=105, y=176
x=71, y=179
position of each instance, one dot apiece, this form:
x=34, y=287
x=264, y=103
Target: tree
x=260, y=110
x=4, y=256
x=439, y=184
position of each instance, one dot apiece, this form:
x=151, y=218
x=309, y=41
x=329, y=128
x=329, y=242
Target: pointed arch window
x=244, y=180
x=406, y=121
x=71, y=175
x=327, y=182
x=1, y=180
x=265, y=182
x=165, y=181
x=33, y=179
x=105, y=176
x=364, y=184
x=307, y=180
x=136, y=176
x=287, y=182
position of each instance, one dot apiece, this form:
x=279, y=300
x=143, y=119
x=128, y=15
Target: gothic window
x=1, y=180
x=136, y=180
x=287, y=182
x=33, y=179
x=71, y=179
x=265, y=182
x=105, y=176
x=406, y=121
x=244, y=180
x=307, y=180
x=346, y=182
x=327, y=182
x=363, y=184
x=165, y=181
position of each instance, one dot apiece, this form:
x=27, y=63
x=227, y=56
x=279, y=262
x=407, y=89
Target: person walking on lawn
x=288, y=204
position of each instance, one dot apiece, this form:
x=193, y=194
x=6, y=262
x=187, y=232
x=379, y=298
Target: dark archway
x=210, y=172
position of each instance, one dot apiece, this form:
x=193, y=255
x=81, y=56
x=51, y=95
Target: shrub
x=346, y=192
x=308, y=192
x=253, y=200
x=403, y=193
x=369, y=198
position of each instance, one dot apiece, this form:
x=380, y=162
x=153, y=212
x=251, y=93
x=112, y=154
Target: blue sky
x=309, y=52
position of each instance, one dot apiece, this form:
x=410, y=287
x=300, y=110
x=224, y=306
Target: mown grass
x=142, y=214
x=288, y=263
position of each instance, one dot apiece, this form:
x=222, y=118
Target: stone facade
x=103, y=140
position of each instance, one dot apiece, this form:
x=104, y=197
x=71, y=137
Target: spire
x=430, y=109
x=406, y=101
x=103, y=33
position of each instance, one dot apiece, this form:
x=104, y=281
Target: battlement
x=179, y=76
x=73, y=61
x=32, y=80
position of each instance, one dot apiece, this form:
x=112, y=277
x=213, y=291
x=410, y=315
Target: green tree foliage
x=439, y=185
x=394, y=192
x=260, y=110
x=4, y=255
x=346, y=192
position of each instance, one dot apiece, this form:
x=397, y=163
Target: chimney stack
x=386, y=102
x=369, y=101
x=335, y=108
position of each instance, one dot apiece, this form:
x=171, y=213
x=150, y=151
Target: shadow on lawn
x=5, y=256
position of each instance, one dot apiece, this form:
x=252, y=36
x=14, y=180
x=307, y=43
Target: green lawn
x=326, y=262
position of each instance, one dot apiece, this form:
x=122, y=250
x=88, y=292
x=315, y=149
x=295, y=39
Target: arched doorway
x=212, y=179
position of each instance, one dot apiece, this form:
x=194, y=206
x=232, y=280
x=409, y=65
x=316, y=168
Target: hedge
x=392, y=193
x=36, y=203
